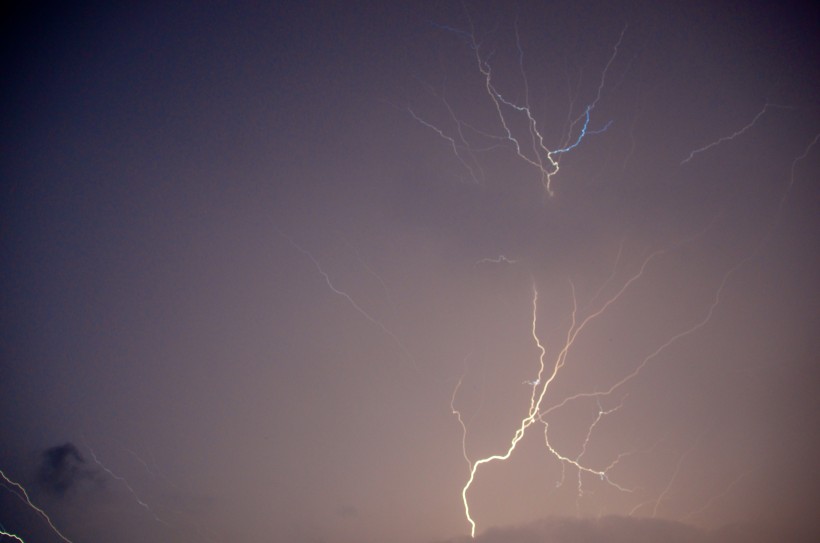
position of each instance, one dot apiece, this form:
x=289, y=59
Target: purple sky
x=258, y=262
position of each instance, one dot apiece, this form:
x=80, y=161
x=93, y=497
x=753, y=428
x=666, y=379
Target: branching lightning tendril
x=735, y=134
x=127, y=485
x=530, y=147
x=351, y=301
x=540, y=156
x=23, y=494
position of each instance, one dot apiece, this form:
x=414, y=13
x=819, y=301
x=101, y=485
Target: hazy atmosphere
x=410, y=272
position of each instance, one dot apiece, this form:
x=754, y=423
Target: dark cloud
x=618, y=529
x=62, y=468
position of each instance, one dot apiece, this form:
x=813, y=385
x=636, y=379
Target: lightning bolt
x=606, y=68
x=537, y=398
x=140, y=460
x=672, y=479
x=790, y=184
x=24, y=495
x=500, y=259
x=516, y=438
x=372, y=272
x=156, y=473
x=457, y=414
x=654, y=354
x=127, y=485
x=600, y=415
x=457, y=147
x=662, y=495
x=531, y=146
x=540, y=384
x=602, y=474
x=611, y=275
x=728, y=488
x=10, y=535
x=734, y=135
x=581, y=135
x=350, y=300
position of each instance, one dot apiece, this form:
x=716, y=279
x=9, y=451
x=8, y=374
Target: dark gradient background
x=239, y=272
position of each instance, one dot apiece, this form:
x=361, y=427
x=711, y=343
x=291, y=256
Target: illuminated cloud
x=615, y=529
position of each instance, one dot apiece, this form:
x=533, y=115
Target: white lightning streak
x=603, y=80
x=674, y=339
x=37, y=509
x=788, y=189
x=601, y=414
x=350, y=299
x=574, y=330
x=457, y=413
x=140, y=460
x=535, y=403
x=675, y=474
x=712, y=307
x=539, y=156
x=580, y=467
x=500, y=259
x=719, y=495
x=450, y=139
x=665, y=491
x=13, y=536
x=724, y=139
x=372, y=272
x=127, y=485
x=611, y=275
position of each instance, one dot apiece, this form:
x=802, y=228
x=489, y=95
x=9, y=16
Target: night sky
x=296, y=271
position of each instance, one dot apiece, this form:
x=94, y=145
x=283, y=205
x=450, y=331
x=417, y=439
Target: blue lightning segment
x=23, y=495
x=530, y=146
x=540, y=384
x=584, y=131
x=606, y=69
